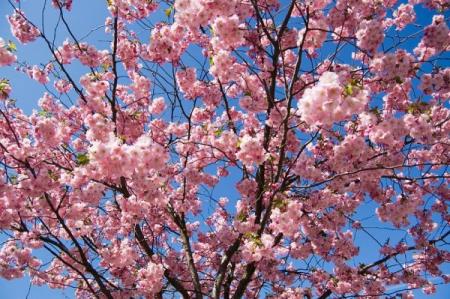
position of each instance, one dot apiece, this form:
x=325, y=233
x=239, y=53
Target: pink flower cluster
x=194, y=13
x=158, y=106
x=6, y=57
x=398, y=210
x=98, y=127
x=370, y=35
x=94, y=87
x=329, y=102
x=251, y=151
x=14, y=260
x=420, y=127
x=23, y=30
x=38, y=74
x=67, y=4
x=191, y=13
x=438, y=83
x=224, y=66
x=228, y=33
x=48, y=132
x=435, y=40
x=140, y=87
x=150, y=279
x=312, y=5
x=186, y=80
x=131, y=10
x=394, y=66
x=87, y=54
x=259, y=250
x=128, y=50
x=90, y=56
x=287, y=220
x=253, y=104
x=404, y=15
x=437, y=34
x=225, y=145
x=435, y=4
x=305, y=168
x=352, y=148
x=389, y=132
x=166, y=43
x=316, y=35
x=63, y=86
x=118, y=159
x=65, y=53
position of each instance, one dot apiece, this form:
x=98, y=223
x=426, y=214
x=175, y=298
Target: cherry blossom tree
x=231, y=149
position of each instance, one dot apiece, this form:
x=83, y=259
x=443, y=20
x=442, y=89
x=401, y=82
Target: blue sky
x=88, y=15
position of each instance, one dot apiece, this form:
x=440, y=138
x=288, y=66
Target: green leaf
x=105, y=67
x=254, y=238
x=82, y=159
x=218, y=132
x=3, y=84
x=334, y=280
x=13, y=179
x=136, y=115
x=44, y=113
x=241, y=217
x=168, y=11
x=411, y=109
x=11, y=47
x=355, y=82
x=417, y=108
x=211, y=60
x=398, y=80
x=279, y=203
x=348, y=90
x=52, y=175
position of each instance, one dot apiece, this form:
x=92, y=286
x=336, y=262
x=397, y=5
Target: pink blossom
x=67, y=4
x=228, y=32
x=316, y=35
x=21, y=28
x=326, y=102
x=370, y=35
x=150, y=279
x=404, y=15
x=38, y=74
x=250, y=151
x=63, y=86
x=436, y=38
x=158, y=105
x=48, y=132
x=394, y=66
